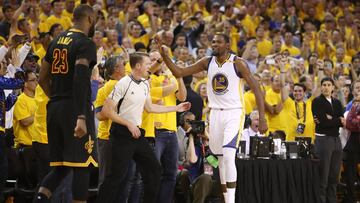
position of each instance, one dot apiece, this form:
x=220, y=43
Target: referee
x=124, y=107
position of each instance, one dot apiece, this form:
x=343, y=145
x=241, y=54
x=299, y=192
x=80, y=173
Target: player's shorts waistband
x=225, y=109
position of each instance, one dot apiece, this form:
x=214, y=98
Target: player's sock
x=230, y=195
x=41, y=198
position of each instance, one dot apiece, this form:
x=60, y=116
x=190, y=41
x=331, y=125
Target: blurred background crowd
x=289, y=46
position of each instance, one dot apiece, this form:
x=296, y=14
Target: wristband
x=81, y=117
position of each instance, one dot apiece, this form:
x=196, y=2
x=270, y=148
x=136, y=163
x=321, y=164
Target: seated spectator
x=252, y=130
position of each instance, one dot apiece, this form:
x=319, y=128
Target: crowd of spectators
x=289, y=46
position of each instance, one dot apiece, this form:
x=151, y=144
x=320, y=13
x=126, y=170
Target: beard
x=215, y=53
x=91, y=31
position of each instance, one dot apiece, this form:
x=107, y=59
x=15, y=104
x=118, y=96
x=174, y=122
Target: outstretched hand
x=163, y=49
x=183, y=107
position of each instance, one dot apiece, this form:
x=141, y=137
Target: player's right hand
x=263, y=126
x=80, y=128
x=135, y=131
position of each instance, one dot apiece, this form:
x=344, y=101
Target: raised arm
x=255, y=87
x=177, y=71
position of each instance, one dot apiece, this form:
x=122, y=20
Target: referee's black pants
x=125, y=148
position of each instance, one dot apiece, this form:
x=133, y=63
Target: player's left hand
x=263, y=126
x=80, y=128
x=183, y=107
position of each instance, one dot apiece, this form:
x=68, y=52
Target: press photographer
x=194, y=180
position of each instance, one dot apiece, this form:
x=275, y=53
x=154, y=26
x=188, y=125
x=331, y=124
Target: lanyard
x=298, y=111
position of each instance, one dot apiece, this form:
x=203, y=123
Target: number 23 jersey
x=62, y=54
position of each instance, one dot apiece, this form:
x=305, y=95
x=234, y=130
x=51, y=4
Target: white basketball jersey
x=225, y=85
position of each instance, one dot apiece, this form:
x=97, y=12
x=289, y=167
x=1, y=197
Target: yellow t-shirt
x=278, y=121
x=103, y=93
x=292, y=121
x=40, y=130
x=148, y=118
x=294, y=51
x=249, y=25
x=127, y=68
x=264, y=47
x=65, y=22
x=25, y=107
x=165, y=120
x=67, y=14
x=144, y=20
x=197, y=8
x=41, y=52
x=346, y=60
x=250, y=102
x=143, y=39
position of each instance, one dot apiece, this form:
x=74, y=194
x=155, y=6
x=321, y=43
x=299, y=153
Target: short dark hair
x=300, y=85
x=136, y=58
x=82, y=11
x=224, y=36
x=6, y=7
x=24, y=74
x=327, y=79
x=139, y=45
x=53, y=27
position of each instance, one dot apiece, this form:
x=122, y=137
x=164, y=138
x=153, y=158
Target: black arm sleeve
x=82, y=76
x=82, y=89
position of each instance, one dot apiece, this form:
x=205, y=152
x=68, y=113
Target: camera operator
x=198, y=172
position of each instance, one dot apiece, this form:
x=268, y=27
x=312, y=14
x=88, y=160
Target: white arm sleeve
x=3, y=51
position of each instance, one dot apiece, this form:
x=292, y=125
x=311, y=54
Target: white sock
x=225, y=196
x=230, y=197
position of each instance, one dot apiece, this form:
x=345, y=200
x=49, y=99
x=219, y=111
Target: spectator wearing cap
x=30, y=62
x=57, y=17
x=5, y=24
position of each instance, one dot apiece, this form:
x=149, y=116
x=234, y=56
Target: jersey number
x=60, y=64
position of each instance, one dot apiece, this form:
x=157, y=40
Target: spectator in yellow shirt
x=24, y=111
x=288, y=45
x=69, y=8
x=57, y=17
x=264, y=45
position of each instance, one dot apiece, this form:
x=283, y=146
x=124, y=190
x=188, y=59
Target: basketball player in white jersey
x=226, y=72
